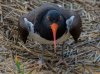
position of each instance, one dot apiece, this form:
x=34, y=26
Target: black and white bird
x=50, y=24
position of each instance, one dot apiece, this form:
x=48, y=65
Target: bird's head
x=54, y=19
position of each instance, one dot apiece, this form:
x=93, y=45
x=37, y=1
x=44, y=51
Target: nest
x=82, y=57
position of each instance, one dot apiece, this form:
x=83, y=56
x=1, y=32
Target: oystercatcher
x=50, y=24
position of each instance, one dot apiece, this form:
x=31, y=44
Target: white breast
x=41, y=40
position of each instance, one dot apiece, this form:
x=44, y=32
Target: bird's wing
x=74, y=25
x=69, y=23
x=26, y=25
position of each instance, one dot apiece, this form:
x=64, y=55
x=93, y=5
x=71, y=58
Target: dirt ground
x=82, y=57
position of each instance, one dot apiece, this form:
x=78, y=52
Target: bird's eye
x=48, y=17
x=60, y=18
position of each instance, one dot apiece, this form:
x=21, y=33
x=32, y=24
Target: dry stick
x=95, y=46
x=51, y=67
x=74, y=47
x=21, y=11
x=28, y=50
x=21, y=48
x=86, y=42
x=0, y=7
x=87, y=52
x=1, y=18
x=85, y=4
x=8, y=14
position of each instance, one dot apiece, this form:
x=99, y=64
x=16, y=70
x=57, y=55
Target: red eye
x=60, y=18
x=48, y=17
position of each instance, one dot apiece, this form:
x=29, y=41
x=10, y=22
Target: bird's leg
x=62, y=60
x=40, y=64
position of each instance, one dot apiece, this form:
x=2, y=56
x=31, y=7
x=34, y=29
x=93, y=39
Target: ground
x=18, y=58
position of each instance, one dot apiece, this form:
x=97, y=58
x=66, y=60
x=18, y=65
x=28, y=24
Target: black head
x=53, y=16
x=54, y=24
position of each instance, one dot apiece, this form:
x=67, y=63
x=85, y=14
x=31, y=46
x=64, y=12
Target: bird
x=50, y=24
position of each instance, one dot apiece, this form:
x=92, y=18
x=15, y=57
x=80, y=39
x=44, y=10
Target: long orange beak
x=54, y=28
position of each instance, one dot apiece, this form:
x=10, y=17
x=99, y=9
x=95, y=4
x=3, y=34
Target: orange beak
x=54, y=28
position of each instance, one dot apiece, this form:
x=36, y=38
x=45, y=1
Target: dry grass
x=82, y=58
